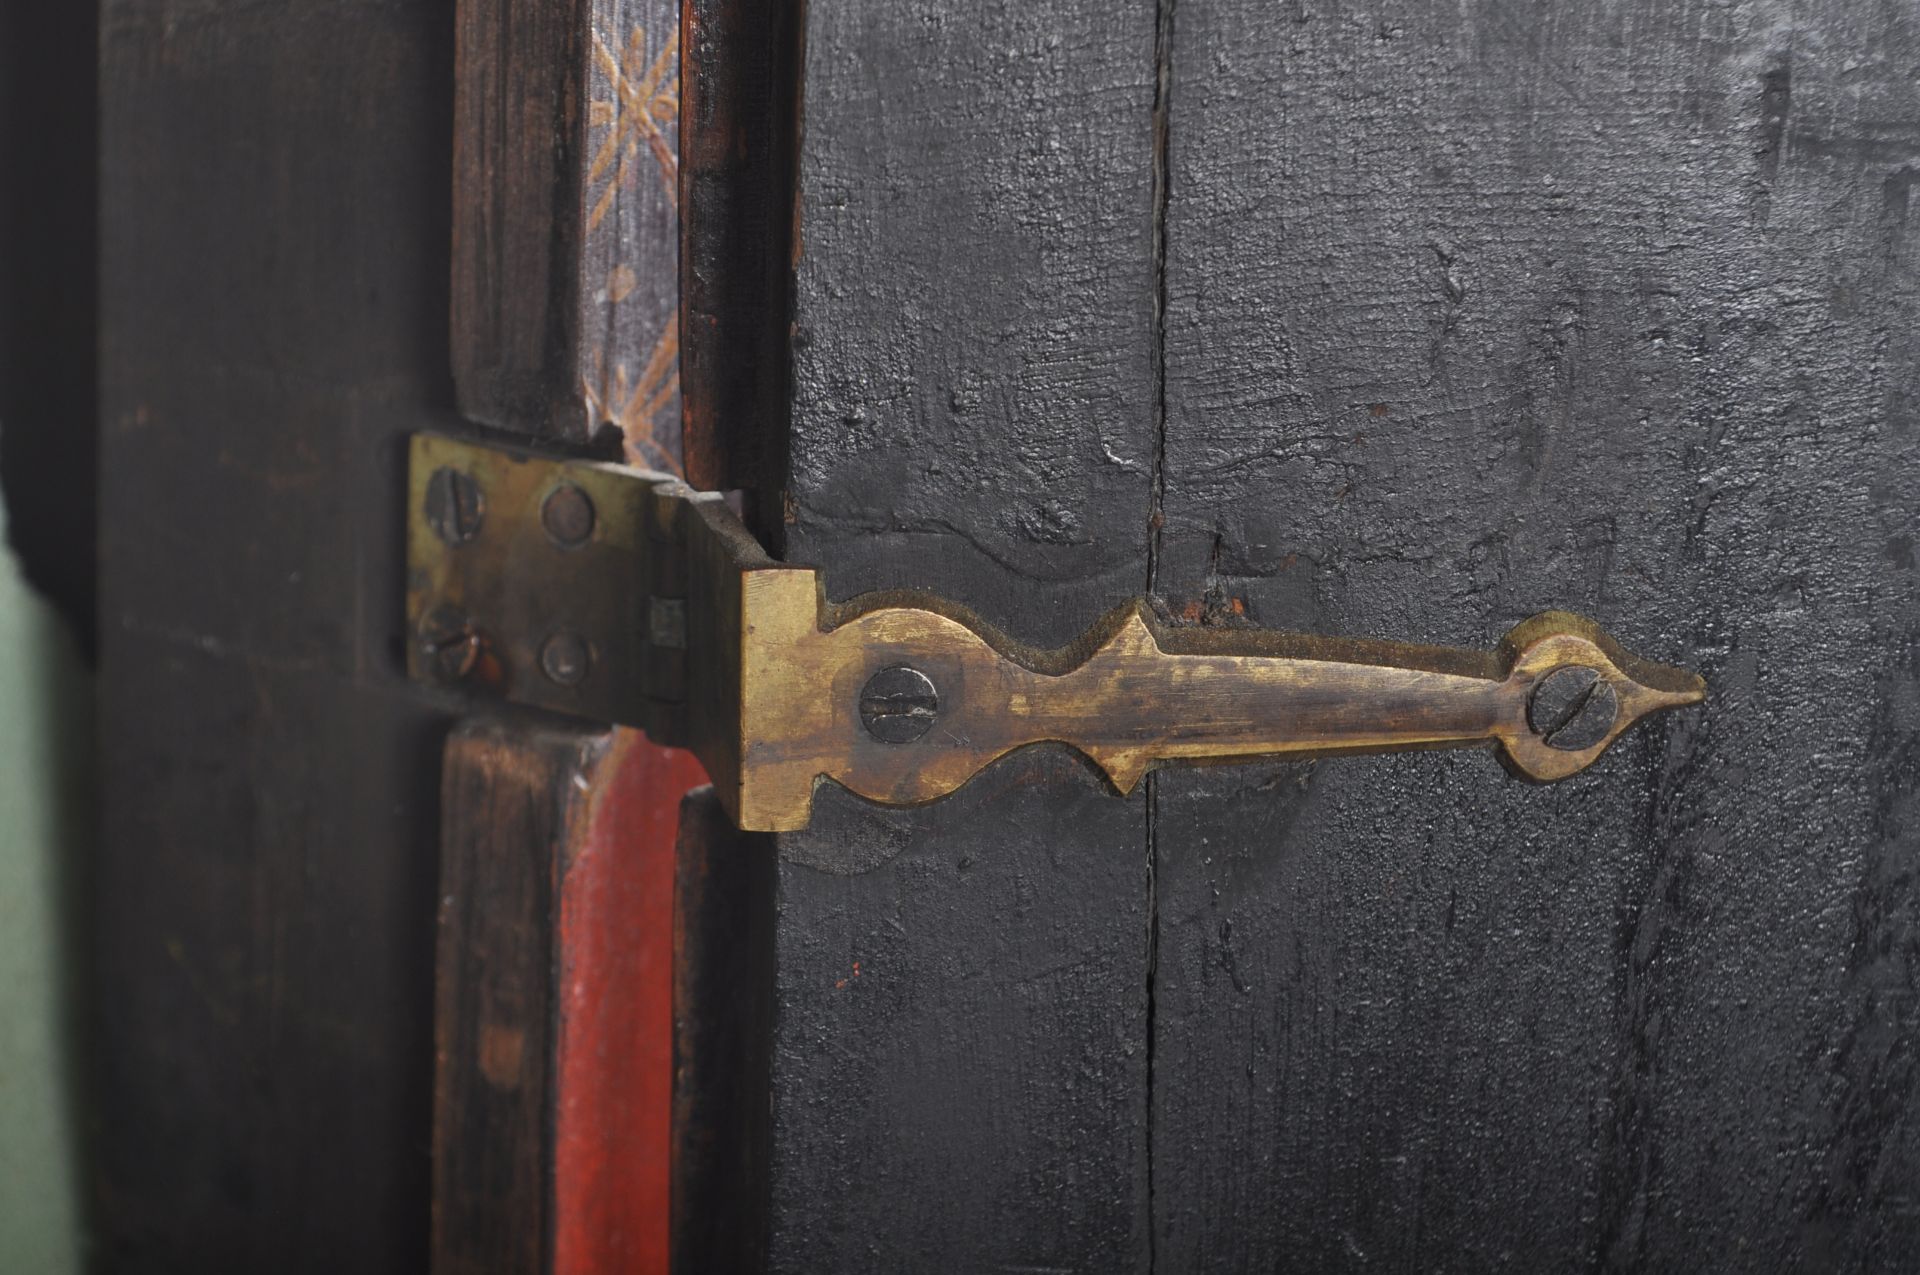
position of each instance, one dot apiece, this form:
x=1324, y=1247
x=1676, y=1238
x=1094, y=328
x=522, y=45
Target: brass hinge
x=623, y=596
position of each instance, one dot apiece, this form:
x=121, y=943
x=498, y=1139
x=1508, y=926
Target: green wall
x=46, y=716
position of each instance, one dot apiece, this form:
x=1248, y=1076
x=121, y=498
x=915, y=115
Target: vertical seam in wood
x=1156, y=520
x=1162, y=181
x=1153, y=970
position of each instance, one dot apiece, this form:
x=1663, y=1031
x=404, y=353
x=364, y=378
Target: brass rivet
x=567, y=514
x=565, y=659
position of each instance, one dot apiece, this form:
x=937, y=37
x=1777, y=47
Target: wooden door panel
x=973, y=409
x=961, y=990
x=1473, y=312
x=959, y=1034
x=273, y=248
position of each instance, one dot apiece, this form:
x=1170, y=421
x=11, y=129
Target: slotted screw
x=455, y=505
x=899, y=705
x=1572, y=708
x=450, y=646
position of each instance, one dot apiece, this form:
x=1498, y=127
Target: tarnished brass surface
x=769, y=686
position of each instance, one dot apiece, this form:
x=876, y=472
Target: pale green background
x=46, y=715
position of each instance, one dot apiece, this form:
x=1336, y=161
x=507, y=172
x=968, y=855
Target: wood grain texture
x=554, y=998
x=614, y=965
x=959, y=1066
x=512, y=795
x=722, y=1037
x=566, y=225
x=517, y=224
x=972, y=400
x=1478, y=309
x=273, y=306
x=739, y=125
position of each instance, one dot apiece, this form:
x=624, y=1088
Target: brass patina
x=621, y=595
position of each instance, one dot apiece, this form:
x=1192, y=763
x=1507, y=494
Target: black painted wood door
x=1405, y=321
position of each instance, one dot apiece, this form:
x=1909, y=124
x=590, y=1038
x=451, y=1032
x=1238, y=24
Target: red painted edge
x=613, y=1086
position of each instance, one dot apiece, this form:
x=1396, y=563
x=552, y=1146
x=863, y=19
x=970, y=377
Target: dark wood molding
x=723, y=1015
x=739, y=124
x=566, y=223
x=511, y=794
x=554, y=1003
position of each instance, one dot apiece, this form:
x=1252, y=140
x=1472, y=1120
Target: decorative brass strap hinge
x=624, y=596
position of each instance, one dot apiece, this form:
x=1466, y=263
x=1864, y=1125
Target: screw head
x=1572, y=708
x=899, y=705
x=450, y=647
x=567, y=514
x=565, y=659
x=455, y=507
